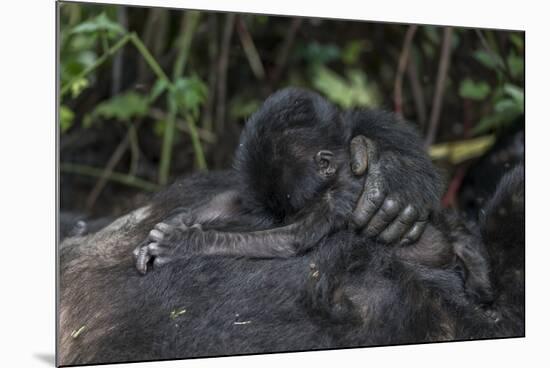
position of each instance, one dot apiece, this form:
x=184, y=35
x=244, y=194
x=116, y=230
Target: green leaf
x=190, y=93
x=474, y=90
x=243, y=107
x=123, y=107
x=506, y=111
x=491, y=61
x=517, y=40
x=346, y=92
x=159, y=127
x=517, y=95
x=460, y=151
x=316, y=53
x=158, y=89
x=506, y=105
x=99, y=24
x=78, y=86
x=352, y=51
x=66, y=118
x=515, y=65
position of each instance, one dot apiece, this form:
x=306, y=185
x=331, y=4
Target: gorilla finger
x=359, y=156
x=160, y=261
x=398, y=228
x=156, y=235
x=154, y=249
x=135, y=252
x=142, y=260
x=164, y=227
x=368, y=204
x=414, y=233
x=385, y=215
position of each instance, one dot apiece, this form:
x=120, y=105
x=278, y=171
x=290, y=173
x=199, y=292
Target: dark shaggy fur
x=204, y=306
x=348, y=290
x=293, y=162
x=294, y=170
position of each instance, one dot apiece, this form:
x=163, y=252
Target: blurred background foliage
x=148, y=94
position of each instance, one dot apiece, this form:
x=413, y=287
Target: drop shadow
x=46, y=358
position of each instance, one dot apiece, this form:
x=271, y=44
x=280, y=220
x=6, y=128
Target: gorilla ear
x=325, y=162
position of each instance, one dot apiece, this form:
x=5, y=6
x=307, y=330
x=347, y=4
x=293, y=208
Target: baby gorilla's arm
x=173, y=240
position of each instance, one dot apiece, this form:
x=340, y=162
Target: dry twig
x=417, y=92
x=222, y=70
x=401, y=67
x=282, y=57
x=440, y=85
x=250, y=50
x=109, y=168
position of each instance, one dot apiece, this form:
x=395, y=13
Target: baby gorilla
x=296, y=183
x=298, y=188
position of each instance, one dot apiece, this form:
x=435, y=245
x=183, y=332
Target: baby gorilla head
x=290, y=151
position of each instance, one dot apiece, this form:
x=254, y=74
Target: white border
x=27, y=187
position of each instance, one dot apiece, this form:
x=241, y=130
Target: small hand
x=161, y=245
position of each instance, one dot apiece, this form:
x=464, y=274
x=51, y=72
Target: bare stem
x=417, y=92
x=250, y=49
x=401, y=67
x=222, y=70
x=107, y=172
x=189, y=24
x=440, y=85
x=111, y=51
x=282, y=57
x=125, y=179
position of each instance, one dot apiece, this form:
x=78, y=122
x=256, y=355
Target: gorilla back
x=207, y=306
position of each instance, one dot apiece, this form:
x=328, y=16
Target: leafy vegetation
x=148, y=94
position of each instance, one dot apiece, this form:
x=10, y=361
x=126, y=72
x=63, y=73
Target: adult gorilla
x=205, y=306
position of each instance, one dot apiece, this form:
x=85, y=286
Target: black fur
x=348, y=290
x=278, y=161
x=205, y=306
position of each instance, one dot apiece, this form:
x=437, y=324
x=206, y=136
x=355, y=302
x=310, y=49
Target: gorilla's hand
x=165, y=243
x=394, y=205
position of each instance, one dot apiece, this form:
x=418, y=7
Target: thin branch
x=125, y=179
x=250, y=49
x=134, y=149
x=222, y=70
x=129, y=37
x=112, y=50
x=119, y=57
x=204, y=134
x=401, y=67
x=208, y=112
x=449, y=199
x=496, y=59
x=417, y=92
x=440, y=85
x=153, y=36
x=150, y=59
x=189, y=24
x=107, y=172
x=282, y=57
x=153, y=64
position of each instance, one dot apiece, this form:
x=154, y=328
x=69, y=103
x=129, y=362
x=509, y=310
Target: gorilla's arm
x=176, y=239
x=401, y=187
